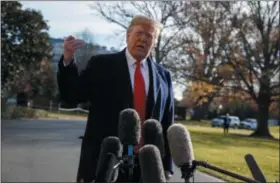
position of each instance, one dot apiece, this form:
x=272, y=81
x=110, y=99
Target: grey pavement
x=48, y=151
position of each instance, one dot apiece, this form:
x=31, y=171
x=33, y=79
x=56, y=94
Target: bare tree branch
x=165, y=12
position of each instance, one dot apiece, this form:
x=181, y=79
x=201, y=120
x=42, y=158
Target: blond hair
x=143, y=20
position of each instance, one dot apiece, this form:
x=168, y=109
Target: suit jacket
x=106, y=84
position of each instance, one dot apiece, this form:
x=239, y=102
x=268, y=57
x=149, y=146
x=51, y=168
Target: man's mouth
x=140, y=46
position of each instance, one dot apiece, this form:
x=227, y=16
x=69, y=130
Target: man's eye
x=149, y=36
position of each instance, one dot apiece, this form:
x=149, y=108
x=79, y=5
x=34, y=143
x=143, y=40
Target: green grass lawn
x=228, y=151
x=76, y=115
x=67, y=115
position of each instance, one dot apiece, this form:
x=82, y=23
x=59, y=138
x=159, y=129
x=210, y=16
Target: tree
x=253, y=56
x=244, y=43
x=24, y=44
x=171, y=37
x=202, y=64
x=198, y=96
x=48, y=80
x=44, y=85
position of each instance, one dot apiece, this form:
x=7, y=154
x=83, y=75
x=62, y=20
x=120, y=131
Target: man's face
x=140, y=40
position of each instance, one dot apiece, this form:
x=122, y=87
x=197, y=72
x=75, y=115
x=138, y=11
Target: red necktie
x=139, y=98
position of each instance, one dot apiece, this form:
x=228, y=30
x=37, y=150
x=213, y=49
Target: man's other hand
x=168, y=175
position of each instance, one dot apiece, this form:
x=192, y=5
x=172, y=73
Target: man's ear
x=154, y=44
x=127, y=35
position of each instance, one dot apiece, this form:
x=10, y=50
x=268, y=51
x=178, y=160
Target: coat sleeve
x=168, y=120
x=75, y=88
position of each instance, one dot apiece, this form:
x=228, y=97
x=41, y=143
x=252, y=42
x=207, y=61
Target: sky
x=70, y=17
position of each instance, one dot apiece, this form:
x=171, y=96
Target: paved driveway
x=48, y=151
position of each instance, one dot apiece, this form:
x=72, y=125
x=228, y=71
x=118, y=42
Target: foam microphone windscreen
x=152, y=134
x=151, y=164
x=180, y=144
x=129, y=127
x=111, y=150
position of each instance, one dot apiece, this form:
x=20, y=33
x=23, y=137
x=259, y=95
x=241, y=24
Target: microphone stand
x=122, y=163
x=187, y=171
x=127, y=162
x=231, y=174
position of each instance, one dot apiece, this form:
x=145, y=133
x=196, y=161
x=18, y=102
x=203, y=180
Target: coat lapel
x=156, y=81
x=156, y=90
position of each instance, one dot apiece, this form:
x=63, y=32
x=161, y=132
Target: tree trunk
x=263, y=103
x=200, y=112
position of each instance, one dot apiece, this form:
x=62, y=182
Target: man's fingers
x=79, y=44
x=69, y=38
x=73, y=44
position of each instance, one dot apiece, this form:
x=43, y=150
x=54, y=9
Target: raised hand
x=70, y=46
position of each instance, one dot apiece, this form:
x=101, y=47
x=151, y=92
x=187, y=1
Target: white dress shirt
x=144, y=69
x=131, y=62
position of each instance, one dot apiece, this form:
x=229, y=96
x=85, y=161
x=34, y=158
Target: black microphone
x=151, y=165
x=129, y=133
x=111, y=150
x=254, y=168
x=152, y=134
x=181, y=150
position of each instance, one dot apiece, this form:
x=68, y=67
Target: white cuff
x=73, y=60
x=65, y=64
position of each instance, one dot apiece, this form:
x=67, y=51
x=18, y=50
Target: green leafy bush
x=15, y=112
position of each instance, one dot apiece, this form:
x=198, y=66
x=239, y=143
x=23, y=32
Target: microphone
x=254, y=168
x=111, y=150
x=129, y=133
x=151, y=165
x=152, y=134
x=129, y=127
x=181, y=150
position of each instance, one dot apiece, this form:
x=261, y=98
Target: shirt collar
x=131, y=61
